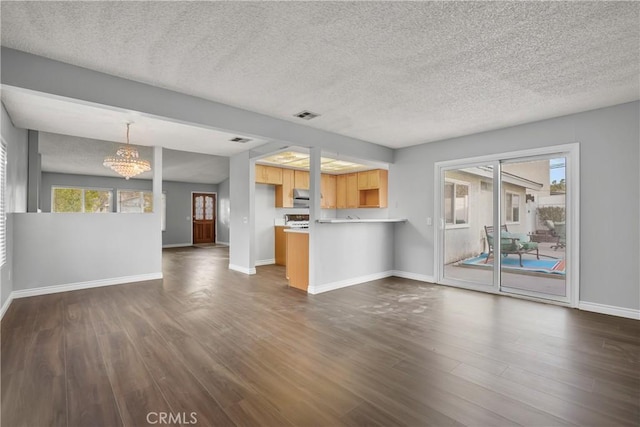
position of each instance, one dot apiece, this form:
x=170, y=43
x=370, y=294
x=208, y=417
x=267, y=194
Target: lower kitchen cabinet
x=298, y=259
x=281, y=245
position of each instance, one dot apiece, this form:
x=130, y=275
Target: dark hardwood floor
x=211, y=345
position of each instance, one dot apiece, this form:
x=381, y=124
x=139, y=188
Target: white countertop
x=297, y=230
x=346, y=220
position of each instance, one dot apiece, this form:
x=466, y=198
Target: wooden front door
x=204, y=218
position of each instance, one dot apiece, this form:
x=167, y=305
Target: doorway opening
x=508, y=223
x=203, y=208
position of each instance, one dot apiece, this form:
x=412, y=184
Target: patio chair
x=510, y=243
x=559, y=231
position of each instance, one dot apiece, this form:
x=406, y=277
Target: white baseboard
x=242, y=269
x=23, y=293
x=609, y=309
x=6, y=305
x=318, y=289
x=222, y=243
x=177, y=245
x=414, y=276
x=265, y=262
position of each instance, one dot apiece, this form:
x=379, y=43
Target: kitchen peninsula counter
x=353, y=220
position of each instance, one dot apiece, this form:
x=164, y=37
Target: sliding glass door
x=504, y=224
x=467, y=198
x=533, y=222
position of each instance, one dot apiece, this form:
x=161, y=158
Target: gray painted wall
x=59, y=249
x=179, y=201
x=16, y=193
x=609, y=188
x=264, y=241
x=178, y=219
x=224, y=215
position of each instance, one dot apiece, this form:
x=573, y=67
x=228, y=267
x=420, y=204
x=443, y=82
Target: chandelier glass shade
x=127, y=161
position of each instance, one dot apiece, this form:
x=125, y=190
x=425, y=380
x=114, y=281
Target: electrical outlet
x=429, y=221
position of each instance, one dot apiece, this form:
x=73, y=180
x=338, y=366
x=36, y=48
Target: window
x=85, y=200
x=3, y=192
x=132, y=201
x=513, y=207
x=456, y=203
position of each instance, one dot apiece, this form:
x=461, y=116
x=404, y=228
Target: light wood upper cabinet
x=328, y=191
x=352, y=191
x=370, y=179
x=301, y=179
x=347, y=191
x=284, y=192
x=341, y=191
x=268, y=175
x=373, y=188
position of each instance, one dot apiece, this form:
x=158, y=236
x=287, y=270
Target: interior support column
x=34, y=177
x=315, y=211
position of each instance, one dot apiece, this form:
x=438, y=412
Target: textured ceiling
x=394, y=73
x=70, y=154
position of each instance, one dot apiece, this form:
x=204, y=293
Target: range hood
x=300, y=198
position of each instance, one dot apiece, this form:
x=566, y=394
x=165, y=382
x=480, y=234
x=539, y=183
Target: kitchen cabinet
x=341, y=191
x=284, y=192
x=268, y=175
x=298, y=259
x=373, y=188
x=347, y=191
x=369, y=179
x=301, y=179
x=281, y=245
x=328, y=191
x=352, y=190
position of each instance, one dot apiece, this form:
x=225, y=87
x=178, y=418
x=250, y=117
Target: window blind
x=3, y=214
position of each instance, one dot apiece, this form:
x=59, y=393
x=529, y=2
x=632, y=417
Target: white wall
x=62, y=249
x=610, y=187
x=16, y=193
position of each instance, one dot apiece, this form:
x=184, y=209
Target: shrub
x=553, y=213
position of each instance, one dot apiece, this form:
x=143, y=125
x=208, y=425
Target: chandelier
x=127, y=161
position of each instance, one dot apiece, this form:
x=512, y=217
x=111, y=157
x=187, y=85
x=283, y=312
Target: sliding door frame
x=572, y=154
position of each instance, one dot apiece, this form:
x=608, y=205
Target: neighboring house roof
x=487, y=172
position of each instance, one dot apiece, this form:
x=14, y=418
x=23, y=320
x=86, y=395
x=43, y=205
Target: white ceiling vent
x=306, y=115
x=240, y=140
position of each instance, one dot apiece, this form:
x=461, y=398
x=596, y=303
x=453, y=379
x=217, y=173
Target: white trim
x=44, y=290
x=612, y=310
x=244, y=270
x=413, y=276
x=177, y=245
x=222, y=243
x=348, y=282
x=265, y=262
x=6, y=305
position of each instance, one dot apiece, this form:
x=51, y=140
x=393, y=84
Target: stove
x=297, y=220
